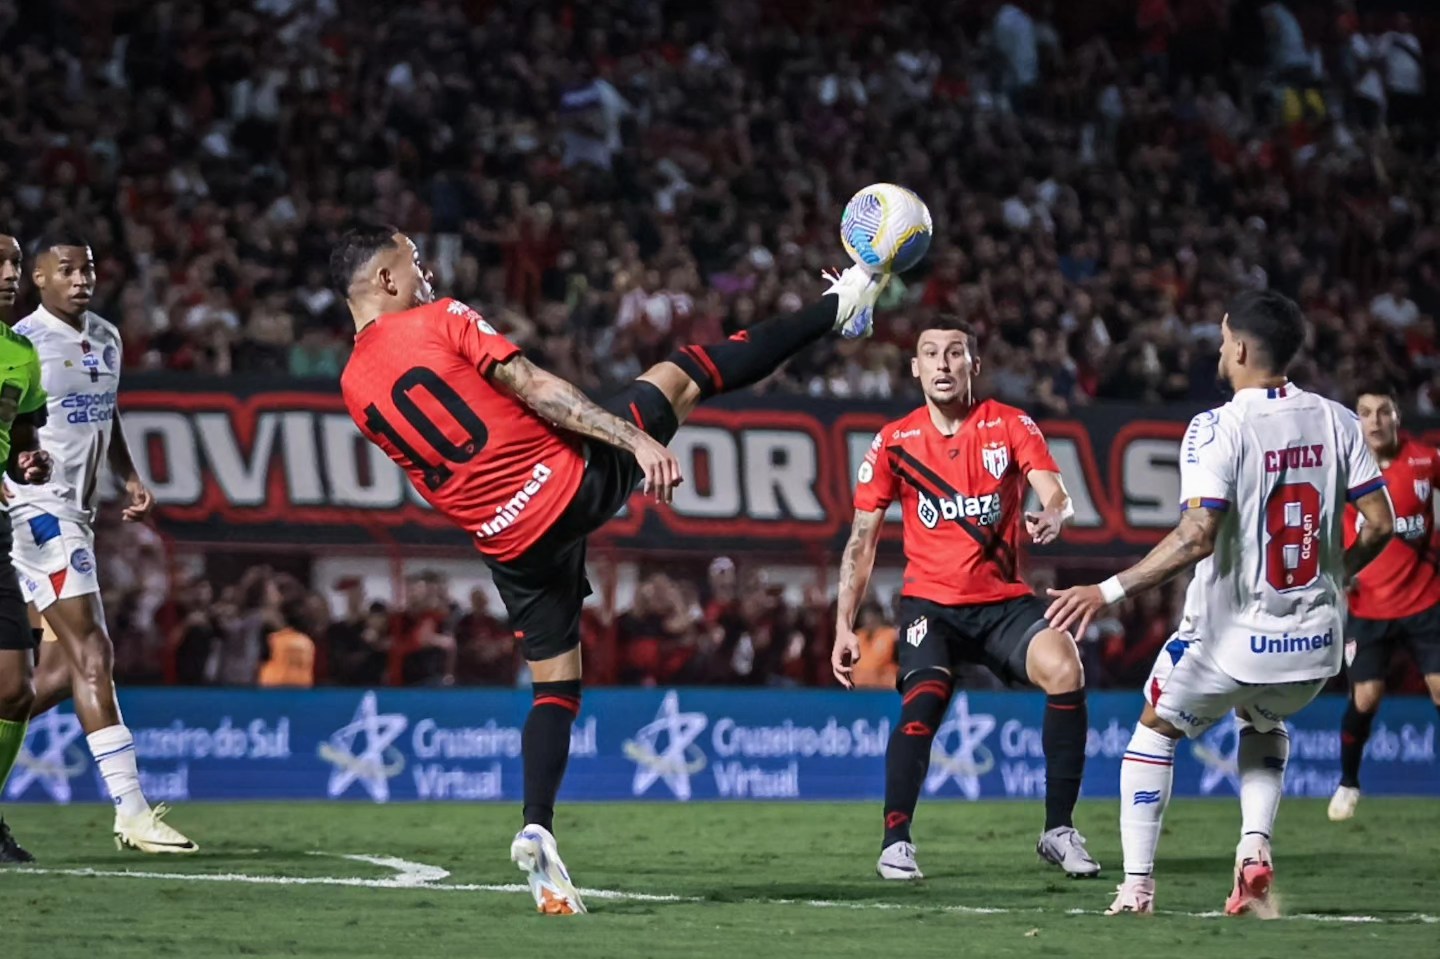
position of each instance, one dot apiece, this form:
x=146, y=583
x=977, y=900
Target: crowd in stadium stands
x=606, y=178
x=727, y=625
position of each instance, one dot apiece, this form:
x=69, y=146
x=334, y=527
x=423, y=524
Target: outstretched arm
x=1055, y=507
x=567, y=407
x=1187, y=544
x=855, y=568
x=1374, y=533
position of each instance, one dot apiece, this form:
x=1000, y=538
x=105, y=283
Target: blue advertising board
x=656, y=744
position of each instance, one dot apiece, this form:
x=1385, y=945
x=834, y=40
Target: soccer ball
x=886, y=228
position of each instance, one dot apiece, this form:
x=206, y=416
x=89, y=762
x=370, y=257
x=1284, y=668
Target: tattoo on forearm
x=856, y=564
x=1187, y=544
x=564, y=405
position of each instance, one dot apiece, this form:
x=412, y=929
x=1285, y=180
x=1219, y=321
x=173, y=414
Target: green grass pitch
x=752, y=881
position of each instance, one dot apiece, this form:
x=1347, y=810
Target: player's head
x=380, y=265
x=947, y=358
x=10, y=261
x=1379, y=412
x=1259, y=337
x=64, y=273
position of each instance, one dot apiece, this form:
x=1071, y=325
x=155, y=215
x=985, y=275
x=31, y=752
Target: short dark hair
x=354, y=249
x=952, y=323
x=1273, y=321
x=1378, y=388
x=65, y=236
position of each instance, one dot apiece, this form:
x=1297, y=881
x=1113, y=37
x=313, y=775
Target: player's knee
x=1367, y=696
x=924, y=696
x=17, y=695
x=95, y=660
x=1152, y=721
x=1053, y=663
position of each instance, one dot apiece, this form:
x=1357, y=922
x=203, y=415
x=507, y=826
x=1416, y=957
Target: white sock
x=1261, y=759
x=1146, y=773
x=114, y=750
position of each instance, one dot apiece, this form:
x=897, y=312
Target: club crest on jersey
x=915, y=632
x=996, y=459
x=1422, y=490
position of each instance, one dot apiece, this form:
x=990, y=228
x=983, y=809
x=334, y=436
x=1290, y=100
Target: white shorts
x=54, y=559
x=1192, y=694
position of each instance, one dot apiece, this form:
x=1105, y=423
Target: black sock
x=1067, y=723
x=751, y=355
x=922, y=706
x=545, y=745
x=1354, y=734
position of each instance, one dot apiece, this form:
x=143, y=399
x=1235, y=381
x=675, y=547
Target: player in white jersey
x=54, y=548
x=1264, y=481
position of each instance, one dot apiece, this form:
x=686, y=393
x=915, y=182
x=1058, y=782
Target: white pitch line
x=409, y=873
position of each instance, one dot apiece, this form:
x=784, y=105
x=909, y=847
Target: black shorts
x=994, y=635
x=15, y=631
x=1376, y=640
x=544, y=588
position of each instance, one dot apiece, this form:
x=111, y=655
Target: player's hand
x=844, y=656
x=661, y=468
x=142, y=501
x=1044, y=527
x=33, y=466
x=1078, y=603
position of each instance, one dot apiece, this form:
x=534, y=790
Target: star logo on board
x=1219, y=752
x=364, y=751
x=53, y=766
x=970, y=758
x=664, y=749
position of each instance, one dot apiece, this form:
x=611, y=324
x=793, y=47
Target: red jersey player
x=959, y=468
x=1396, y=599
x=531, y=467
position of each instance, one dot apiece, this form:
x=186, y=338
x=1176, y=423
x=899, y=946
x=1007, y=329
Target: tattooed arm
x=855, y=568
x=564, y=405
x=1187, y=544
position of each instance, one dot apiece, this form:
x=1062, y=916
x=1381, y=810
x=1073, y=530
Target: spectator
x=289, y=656
x=258, y=616
x=1394, y=308
x=878, y=666
x=487, y=652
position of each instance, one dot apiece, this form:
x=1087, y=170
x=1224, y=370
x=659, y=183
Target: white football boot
x=1343, y=803
x=1065, y=847
x=147, y=833
x=897, y=861
x=1136, y=894
x=858, y=289
x=534, y=851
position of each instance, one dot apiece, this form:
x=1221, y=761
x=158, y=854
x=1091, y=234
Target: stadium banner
x=663, y=745
x=279, y=462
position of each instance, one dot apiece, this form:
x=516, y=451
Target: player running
x=530, y=467
x=22, y=410
x=1396, y=599
x=959, y=468
x=1263, y=482
x=54, y=548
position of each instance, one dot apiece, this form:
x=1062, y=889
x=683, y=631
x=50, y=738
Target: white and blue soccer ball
x=886, y=228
